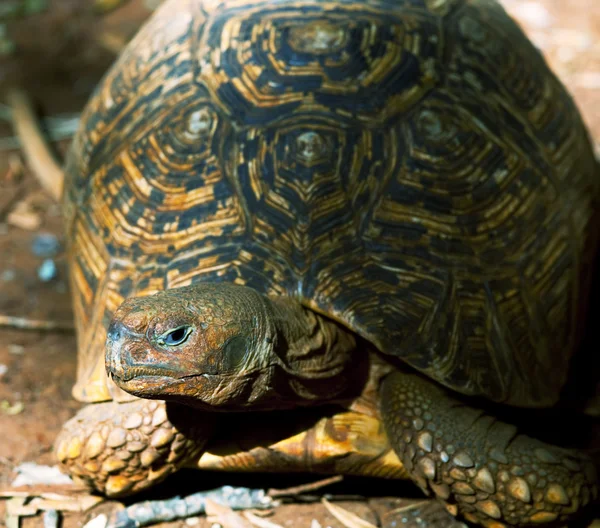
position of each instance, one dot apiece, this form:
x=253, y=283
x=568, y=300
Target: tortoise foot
x=121, y=448
x=480, y=467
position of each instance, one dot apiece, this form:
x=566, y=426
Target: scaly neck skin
x=317, y=360
x=241, y=350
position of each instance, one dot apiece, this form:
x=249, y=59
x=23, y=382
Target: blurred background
x=57, y=50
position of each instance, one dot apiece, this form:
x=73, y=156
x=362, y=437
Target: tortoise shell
x=410, y=168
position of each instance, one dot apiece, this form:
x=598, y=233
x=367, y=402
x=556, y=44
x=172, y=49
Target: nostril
x=116, y=335
x=116, y=330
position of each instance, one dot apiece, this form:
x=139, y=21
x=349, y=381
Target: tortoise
x=344, y=236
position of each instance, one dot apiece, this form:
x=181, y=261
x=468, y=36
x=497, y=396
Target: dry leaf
x=225, y=516
x=19, y=507
x=348, y=519
x=72, y=504
x=29, y=500
x=259, y=521
x=23, y=217
x=47, y=491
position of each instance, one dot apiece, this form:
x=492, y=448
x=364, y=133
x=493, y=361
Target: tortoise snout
x=117, y=356
x=116, y=331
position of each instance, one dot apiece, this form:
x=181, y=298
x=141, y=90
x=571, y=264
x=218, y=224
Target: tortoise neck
x=315, y=358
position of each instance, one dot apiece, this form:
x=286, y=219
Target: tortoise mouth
x=148, y=383
x=146, y=374
x=139, y=372
x=182, y=389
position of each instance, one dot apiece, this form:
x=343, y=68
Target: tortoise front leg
x=346, y=443
x=481, y=467
x=121, y=448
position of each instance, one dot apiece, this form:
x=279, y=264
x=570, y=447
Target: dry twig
x=35, y=148
x=348, y=519
x=304, y=488
x=22, y=323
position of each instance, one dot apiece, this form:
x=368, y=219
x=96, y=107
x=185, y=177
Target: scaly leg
x=481, y=467
x=346, y=443
x=121, y=448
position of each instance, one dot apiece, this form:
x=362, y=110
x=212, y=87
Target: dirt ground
x=59, y=54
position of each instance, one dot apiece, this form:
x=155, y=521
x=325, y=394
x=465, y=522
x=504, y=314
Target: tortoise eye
x=176, y=336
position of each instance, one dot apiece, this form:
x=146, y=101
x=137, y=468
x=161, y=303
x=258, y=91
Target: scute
x=409, y=168
x=357, y=60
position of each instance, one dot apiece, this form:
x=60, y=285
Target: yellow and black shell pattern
x=410, y=168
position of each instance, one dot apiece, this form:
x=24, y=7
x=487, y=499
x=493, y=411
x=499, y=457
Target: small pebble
x=3, y=369
x=16, y=350
x=47, y=271
x=45, y=245
x=9, y=275
x=51, y=519
x=11, y=409
x=100, y=521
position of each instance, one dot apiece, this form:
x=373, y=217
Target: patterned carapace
x=410, y=168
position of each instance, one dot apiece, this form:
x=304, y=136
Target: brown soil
x=61, y=53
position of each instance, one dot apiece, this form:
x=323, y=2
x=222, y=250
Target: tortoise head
x=208, y=345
